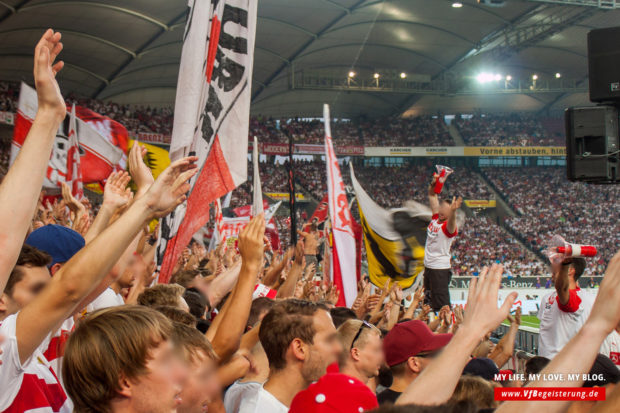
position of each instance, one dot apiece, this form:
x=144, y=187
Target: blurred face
x=325, y=347
x=34, y=279
x=370, y=357
x=444, y=210
x=201, y=387
x=159, y=390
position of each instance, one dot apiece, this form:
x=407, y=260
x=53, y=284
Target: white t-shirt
x=559, y=323
x=262, y=402
x=438, y=243
x=32, y=386
x=106, y=299
x=238, y=392
x=611, y=347
x=55, y=350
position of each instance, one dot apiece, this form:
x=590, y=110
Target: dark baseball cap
x=481, y=367
x=60, y=242
x=409, y=339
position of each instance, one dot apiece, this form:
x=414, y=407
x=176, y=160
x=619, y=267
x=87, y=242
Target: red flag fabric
x=98, y=157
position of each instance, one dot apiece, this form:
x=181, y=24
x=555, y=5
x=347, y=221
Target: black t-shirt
x=388, y=396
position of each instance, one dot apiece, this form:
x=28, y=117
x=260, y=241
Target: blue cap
x=482, y=367
x=60, y=242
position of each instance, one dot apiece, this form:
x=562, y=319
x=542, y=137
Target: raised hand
x=140, y=173
x=482, y=314
x=75, y=206
x=456, y=203
x=170, y=188
x=419, y=294
x=116, y=194
x=45, y=70
x=251, y=244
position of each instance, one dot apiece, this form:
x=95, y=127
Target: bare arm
x=418, y=296
x=85, y=270
x=506, y=346
x=226, y=340
x=433, y=198
x=561, y=283
x=223, y=284
x=579, y=354
x=20, y=189
x=288, y=288
x=437, y=382
x=454, y=206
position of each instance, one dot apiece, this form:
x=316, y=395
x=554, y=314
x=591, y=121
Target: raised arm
x=505, y=347
x=82, y=273
x=22, y=184
x=433, y=198
x=287, y=289
x=561, y=282
x=234, y=315
x=437, y=382
x=579, y=354
x=454, y=206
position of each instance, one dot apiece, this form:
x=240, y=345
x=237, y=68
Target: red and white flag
x=343, y=266
x=74, y=172
x=212, y=113
x=98, y=156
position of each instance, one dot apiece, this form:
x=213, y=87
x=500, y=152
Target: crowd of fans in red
x=86, y=327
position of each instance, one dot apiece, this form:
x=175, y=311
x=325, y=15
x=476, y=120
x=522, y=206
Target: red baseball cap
x=409, y=339
x=334, y=393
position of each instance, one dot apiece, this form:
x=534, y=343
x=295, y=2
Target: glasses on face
x=359, y=332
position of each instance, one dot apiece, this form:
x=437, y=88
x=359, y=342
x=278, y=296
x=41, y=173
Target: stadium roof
x=129, y=50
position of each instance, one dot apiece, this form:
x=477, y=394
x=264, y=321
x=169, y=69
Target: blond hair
x=476, y=390
x=161, y=294
x=109, y=344
x=347, y=332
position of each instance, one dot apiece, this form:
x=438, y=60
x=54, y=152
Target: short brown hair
x=177, y=315
x=192, y=342
x=109, y=344
x=185, y=277
x=28, y=257
x=259, y=306
x=161, y=294
x=286, y=321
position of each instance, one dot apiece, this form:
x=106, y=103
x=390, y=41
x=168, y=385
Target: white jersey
x=238, y=392
x=32, y=386
x=262, y=402
x=560, y=323
x=611, y=347
x=438, y=243
x=106, y=299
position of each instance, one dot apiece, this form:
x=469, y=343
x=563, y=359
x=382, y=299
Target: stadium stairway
x=456, y=135
x=504, y=209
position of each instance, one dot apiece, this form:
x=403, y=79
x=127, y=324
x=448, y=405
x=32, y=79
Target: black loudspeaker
x=592, y=144
x=604, y=64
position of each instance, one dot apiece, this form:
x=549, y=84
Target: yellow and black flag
x=394, y=239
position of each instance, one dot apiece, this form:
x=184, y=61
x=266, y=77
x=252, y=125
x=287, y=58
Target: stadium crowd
x=548, y=204
x=513, y=129
x=84, y=326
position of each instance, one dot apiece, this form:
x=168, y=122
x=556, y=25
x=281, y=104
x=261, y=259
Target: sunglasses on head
x=359, y=332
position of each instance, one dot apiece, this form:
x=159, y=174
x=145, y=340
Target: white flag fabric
x=257, y=189
x=343, y=255
x=212, y=113
x=74, y=171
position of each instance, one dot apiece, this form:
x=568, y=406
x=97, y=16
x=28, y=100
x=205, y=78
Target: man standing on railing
x=439, y=237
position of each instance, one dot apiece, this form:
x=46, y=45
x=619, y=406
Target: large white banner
x=344, y=257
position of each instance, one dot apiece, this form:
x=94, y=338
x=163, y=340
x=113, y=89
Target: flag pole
x=291, y=188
